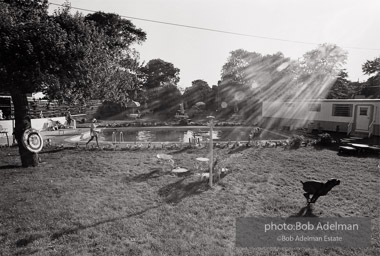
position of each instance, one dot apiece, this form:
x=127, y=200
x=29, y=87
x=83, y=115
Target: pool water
x=179, y=134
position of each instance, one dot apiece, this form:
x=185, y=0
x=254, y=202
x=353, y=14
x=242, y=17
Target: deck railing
x=370, y=129
x=371, y=126
x=350, y=124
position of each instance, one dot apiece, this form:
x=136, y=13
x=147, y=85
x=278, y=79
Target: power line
x=216, y=30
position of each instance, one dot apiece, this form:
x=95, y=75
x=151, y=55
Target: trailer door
x=363, y=118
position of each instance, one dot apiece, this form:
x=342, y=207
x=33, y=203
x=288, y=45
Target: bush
x=183, y=121
x=296, y=141
x=325, y=139
x=108, y=109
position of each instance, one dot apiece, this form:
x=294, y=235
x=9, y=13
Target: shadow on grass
x=10, y=166
x=80, y=227
x=30, y=239
x=306, y=211
x=175, y=192
x=238, y=149
x=56, y=150
x=154, y=174
x=187, y=149
x=331, y=147
x=53, y=150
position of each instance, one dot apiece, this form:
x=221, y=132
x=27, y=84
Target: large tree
x=248, y=77
x=68, y=57
x=118, y=79
x=158, y=72
x=167, y=100
x=318, y=71
x=160, y=80
x=251, y=73
x=239, y=67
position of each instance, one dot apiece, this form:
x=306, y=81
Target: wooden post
x=211, y=118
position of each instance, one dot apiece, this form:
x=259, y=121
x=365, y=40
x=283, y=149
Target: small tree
x=372, y=86
x=199, y=91
x=342, y=88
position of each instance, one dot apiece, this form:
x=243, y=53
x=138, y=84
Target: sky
x=292, y=27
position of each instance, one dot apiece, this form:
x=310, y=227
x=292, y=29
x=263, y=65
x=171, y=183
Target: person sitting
x=52, y=125
x=59, y=125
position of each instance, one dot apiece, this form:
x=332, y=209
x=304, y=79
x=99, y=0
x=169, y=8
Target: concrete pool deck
x=80, y=136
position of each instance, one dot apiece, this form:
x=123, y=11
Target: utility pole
x=211, y=118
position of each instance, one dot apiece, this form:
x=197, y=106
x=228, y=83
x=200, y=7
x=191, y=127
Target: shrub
x=296, y=141
x=325, y=139
x=108, y=109
x=183, y=122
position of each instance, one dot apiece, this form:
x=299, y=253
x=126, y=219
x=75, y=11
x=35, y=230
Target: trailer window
x=363, y=111
x=342, y=109
x=315, y=107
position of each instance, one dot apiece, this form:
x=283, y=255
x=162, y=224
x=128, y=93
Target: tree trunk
x=22, y=122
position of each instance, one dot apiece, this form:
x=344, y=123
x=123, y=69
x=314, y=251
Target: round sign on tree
x=32, y=140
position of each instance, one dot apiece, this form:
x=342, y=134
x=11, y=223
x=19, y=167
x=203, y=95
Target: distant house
x=6, y=106
x=352, y=116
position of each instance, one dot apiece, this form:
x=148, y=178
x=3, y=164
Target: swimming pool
x=184, y=134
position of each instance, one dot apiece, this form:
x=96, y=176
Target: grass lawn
x=80, y=202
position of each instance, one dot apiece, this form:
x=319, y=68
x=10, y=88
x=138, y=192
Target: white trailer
x=353, y=116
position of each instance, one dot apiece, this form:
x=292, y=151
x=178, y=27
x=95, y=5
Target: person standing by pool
x=69, y=118
x=93, y=133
